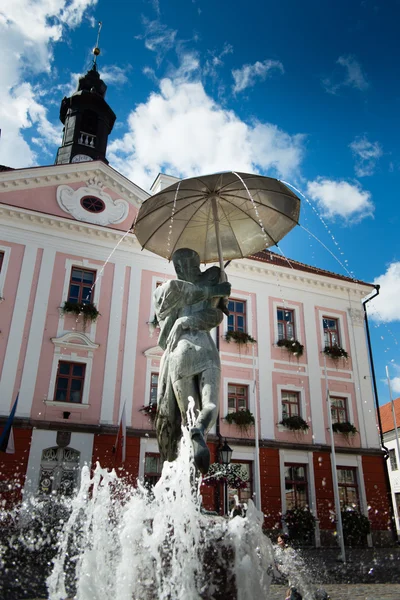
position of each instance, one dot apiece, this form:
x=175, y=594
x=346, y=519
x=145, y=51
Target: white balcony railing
x=87, y=139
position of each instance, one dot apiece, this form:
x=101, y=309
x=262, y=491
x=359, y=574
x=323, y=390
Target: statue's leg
x=183, y=388
x=209, y=393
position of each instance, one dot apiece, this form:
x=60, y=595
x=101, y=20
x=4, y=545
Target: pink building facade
x=59, y=227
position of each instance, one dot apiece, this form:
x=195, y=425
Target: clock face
x=80, y=158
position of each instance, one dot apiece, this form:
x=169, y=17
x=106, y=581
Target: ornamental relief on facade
x=92, y=204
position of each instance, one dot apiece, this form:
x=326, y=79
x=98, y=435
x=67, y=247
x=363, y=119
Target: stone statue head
x=186, y=264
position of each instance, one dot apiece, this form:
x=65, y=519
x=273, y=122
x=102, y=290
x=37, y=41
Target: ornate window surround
x=296, y=311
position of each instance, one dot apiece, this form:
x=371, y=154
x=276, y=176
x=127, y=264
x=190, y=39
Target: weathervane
x=96, y=49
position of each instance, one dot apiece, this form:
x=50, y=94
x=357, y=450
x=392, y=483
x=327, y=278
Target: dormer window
x=92, y=204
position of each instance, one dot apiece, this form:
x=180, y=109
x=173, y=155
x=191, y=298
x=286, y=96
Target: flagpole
x=334, y=472
x=256, y=434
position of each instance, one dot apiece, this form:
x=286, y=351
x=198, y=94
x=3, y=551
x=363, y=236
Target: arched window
x=59, y=471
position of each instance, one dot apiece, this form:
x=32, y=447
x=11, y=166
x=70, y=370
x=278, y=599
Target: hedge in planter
x=356, y=527
x=335, y=352
x=300, y=523
x=292, y=346
x=239, y=337
x=242, y=418
x=346, y=428
x=88, y=311
x=294, y=423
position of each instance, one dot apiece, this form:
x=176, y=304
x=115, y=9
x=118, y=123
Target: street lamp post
x=225, y=455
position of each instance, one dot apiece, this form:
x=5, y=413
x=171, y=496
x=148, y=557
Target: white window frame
x=4, y=268
x=303, y=458
x=234, y=381
x=346, y=397
x=73, y=357
x=331, y=314
x=84, y=264
x=290, y=388
x=249, y=312
x=296, y=310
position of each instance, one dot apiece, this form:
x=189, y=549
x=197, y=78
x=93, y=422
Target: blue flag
x=7, y=431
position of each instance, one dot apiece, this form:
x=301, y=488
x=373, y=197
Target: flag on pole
x=119, y=448
x=7, y=436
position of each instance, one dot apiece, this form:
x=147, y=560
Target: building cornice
x=287, y=276
x=34, y=177
x=66, y=225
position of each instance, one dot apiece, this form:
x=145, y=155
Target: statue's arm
x=177, y=294
x=204, y=320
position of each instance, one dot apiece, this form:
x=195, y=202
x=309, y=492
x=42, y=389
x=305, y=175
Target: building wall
x=42, y=241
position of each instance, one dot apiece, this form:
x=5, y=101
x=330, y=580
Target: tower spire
x=96, y=49
x=88, y=119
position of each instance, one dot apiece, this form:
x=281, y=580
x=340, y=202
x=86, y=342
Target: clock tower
x=88, y=120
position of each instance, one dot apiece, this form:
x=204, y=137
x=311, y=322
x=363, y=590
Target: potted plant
x=356, y=527
x=242, y=419
x=88, y=310
x=300, y=523
x=150, y=410
x=294, y=423
x=346, y=428
x=292, y=346
x=239, y=337
x=335, y=352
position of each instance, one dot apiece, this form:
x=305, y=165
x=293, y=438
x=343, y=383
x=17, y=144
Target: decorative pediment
x=74, y=341
x=154, y=352
x=91, y=204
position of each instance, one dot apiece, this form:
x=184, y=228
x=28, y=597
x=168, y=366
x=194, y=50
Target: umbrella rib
x=168, y=219
x=155, y=209
x=259, y=204
x=180, y=235
x=254, y=221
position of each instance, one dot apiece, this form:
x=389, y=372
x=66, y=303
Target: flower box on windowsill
x=292, y=346
x=242, y=419
x=150, y=410
x=239, y=337
x=88, y=311
x=335, y=352
x=345, y=428
x=294, y=423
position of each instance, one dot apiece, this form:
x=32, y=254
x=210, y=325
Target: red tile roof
x=289, y=263
x=387, y=415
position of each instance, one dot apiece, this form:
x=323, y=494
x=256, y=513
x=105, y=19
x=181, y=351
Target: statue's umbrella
x=222, y=216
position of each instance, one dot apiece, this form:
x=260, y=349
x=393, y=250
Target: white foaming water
x=130, y=544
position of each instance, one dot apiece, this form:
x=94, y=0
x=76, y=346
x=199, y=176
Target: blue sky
x=304, y=91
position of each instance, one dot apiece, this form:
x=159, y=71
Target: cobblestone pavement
x=372, y=591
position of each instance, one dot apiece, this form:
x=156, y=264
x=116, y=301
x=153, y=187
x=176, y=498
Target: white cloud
x=385, y=307
x=158, y=38
x=248, y=75
x=366, y=155
x=395, y=385
x=354, y=76
x=28, y=31
x=112, y=74
x=341, y=199
x=183, y=131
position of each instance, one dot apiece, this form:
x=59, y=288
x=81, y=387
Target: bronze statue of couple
x=187, y=309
